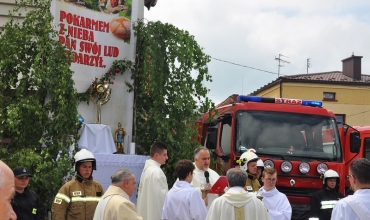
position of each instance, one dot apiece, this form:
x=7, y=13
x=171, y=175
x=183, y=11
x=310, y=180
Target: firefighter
x=260, y=169
x=248, y=162
x=78, y=198
x=323, y=201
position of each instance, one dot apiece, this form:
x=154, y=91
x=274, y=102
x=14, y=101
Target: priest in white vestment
x=277, y=203
x=202, y=161
x=115, y=203
x=153, y=184
x=236, y=203
x=182, y=201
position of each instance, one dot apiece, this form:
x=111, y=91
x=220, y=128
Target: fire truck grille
x=304, y=192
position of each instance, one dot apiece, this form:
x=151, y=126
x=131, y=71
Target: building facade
x=346, y=92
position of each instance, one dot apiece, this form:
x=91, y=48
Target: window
x=367, y=148
x=329, y=96
x=340, y=119
x=226, y=137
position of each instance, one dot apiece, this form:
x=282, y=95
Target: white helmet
x=260, y=163
x=251, y=150
x=330, y=174
x=84, y=156
x=245, y=158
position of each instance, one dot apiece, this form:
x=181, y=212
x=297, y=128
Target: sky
x=253, y=33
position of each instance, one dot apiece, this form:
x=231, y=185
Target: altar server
x=277, y=203
x=153, y=184
x=182, y=201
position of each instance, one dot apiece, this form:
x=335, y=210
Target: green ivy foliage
x=38, y=101
x=170, y=96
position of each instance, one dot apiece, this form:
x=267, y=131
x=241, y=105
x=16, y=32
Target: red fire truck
x=297, y=137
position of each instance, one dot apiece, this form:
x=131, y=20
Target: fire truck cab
x=299, y=138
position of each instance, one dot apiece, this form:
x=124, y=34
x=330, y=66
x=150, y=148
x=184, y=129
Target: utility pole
x=281, y=61
x=308, y=64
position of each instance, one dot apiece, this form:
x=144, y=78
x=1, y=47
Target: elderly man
x=277, y=203
x=236, y=201
x=6, y=192
x=115, y=203
x=356, y=206
x=153, y=184
x=182, y=201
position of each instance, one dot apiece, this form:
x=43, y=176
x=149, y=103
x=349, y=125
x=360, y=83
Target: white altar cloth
x=97, y=138
x=107, y=164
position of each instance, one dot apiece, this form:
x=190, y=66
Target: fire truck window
x=279, y=134
x=225, y=138
x=367, y=148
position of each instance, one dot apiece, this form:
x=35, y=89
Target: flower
x=112, y=82
x=117, y=70
x=110, y=73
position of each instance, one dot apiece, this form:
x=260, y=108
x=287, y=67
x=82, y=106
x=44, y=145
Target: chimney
x=352, y=67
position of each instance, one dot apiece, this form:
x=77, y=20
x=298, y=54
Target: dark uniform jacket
x=28, y=206
x=323, y=202
x=77, y=200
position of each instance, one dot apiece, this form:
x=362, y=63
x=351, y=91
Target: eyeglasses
x=349, y=175
x=269, y=180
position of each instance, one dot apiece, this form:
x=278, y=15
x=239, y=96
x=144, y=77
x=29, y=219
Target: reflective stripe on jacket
x=77, y=200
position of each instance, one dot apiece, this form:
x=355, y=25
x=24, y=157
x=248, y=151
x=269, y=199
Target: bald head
x=6, y=191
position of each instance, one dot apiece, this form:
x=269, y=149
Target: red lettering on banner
x=61, y=29
x=85, y=50
x=83, y=22
x=111, y=51
x=80, y=33
x=68, y=42
x=88, y=60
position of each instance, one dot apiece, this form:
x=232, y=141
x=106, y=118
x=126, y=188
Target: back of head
x=157, y=147
x=3, y=167
x=236, y=177
x=6, y=176
x=121, y=175
x=360, y=169
x=183, y=168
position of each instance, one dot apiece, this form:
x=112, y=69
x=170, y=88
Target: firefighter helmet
x=260, y=163
x=330, y=174
x=246, y=158
x=84, y=156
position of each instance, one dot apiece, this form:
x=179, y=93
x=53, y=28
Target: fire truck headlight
x=268, y=163
x=322, y=168
x=286, y=166
x=304, y=167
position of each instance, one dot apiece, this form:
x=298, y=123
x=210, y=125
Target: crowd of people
x=251, y=192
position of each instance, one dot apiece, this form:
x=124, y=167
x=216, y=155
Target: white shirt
x=277, y=204
x=236, y=199
x=344, y=212
x=183, y=203
x=199, y=179
x=152, y=191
